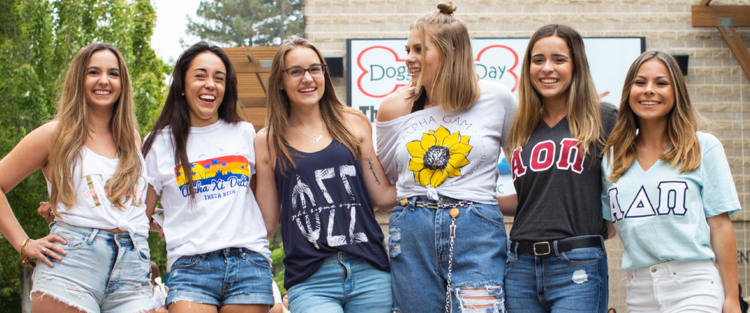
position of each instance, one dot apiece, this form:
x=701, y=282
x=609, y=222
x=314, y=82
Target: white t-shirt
x=454, y=154
x=93, y=208
x=224, y=213
x=660, y=214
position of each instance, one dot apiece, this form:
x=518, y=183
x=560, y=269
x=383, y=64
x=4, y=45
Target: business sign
x=376, y=68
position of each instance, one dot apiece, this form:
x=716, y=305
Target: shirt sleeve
x=511, y=105
x=719, y=194
x=152, y=166
x=250, y=142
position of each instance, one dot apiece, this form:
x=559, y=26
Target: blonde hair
x=279, y=108
x=456, y=83
x=683, y=123
x=583, y=112
x=73, y=117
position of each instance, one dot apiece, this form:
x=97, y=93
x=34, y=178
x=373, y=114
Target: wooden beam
x=263, y=82
x=705, y=2
x=250, y=56
x=708, y=16
x=738, y=49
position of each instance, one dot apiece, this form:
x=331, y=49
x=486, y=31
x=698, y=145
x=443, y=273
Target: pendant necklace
x=317, y=139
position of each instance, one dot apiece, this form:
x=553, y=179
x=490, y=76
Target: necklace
x=317, y=139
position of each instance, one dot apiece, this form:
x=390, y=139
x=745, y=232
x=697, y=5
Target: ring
x=44, y=250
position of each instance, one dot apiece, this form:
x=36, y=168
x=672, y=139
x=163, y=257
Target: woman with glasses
x=320, y=156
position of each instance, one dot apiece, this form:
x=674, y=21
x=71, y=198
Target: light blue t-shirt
x=660, y=214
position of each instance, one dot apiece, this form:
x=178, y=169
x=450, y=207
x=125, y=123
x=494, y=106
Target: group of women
x=583, y=171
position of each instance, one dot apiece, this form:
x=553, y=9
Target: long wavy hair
x=176, y=111
x=683, y=123
x=279, y=108
x=456, y=83
x=584, y=119
x=74, y=125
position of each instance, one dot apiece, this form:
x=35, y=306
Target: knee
x=481, y=299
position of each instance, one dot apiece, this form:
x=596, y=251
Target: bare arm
x=266, y=195
x=725, y=248
x=30, y=154
x=508, y=204
x=382, y=193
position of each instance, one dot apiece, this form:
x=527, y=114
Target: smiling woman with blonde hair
x=97, y=190
x=439, y=140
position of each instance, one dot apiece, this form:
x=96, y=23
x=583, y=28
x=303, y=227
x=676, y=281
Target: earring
x=281, y=88
x=183, y=94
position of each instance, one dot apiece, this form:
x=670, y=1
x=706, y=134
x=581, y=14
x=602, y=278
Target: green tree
x=38, y=38
x=244, y=23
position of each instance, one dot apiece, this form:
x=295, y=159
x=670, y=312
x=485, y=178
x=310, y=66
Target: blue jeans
x=574, y=281
x=101, y=272
x=222, y=277
x=419, y=246
x=344, y=283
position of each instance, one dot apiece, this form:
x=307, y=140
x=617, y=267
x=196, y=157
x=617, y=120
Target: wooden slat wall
x=252, y=97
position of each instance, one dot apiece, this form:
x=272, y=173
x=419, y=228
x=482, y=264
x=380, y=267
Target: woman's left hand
x=45, y=210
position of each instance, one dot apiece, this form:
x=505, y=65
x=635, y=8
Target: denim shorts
x=576, y=281
x=344, y=283
x=222, y=277
x=419, y=246
x=101, y=272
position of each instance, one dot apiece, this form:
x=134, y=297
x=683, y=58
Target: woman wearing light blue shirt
x=669, y=192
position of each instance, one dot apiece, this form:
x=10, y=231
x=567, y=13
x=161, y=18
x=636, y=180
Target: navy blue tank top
x=325, y=208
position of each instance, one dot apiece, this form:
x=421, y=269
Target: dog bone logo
x=488, y=69
x=380, y=75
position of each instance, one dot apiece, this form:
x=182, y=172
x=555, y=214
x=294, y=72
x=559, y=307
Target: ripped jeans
x=560, y=282
x=102, y=271
x=419, y=247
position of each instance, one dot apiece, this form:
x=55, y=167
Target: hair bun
x=446, y=7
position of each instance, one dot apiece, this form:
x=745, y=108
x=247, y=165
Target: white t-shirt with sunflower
x=453, y=154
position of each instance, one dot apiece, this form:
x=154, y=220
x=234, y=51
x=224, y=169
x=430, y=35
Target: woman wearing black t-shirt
x=557, y=261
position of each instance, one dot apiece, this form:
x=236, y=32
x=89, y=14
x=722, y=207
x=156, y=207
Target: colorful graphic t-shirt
x=224, y=213
x=454, y=154
x=93, y=207
x=660, y=214
x=558, y=189
x=325, y=208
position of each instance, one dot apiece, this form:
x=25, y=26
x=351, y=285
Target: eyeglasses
x=296, y=72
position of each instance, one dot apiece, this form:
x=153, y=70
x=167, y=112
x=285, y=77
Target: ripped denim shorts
x=102, y=271
x=419, y=245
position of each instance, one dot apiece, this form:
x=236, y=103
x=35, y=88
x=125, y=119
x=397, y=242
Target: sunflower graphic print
x=437, y=156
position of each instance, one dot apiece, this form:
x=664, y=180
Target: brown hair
x=279, y=108
x=154, y=273
x=584, y=119
x=456, y=83
x=683, y=123
x=73, y=117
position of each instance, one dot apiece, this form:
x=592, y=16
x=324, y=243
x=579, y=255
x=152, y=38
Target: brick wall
x=717, y=85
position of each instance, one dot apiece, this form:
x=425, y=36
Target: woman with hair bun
x=439, y=140
x=669, y=191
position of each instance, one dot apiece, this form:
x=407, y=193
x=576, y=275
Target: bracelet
x=25, y=260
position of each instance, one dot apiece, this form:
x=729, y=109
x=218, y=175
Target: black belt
x=564, y=245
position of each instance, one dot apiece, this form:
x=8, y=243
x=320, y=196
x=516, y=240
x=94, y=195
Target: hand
x=45, y=210
x=154, y=226
x=731, y=306
x=44, y=247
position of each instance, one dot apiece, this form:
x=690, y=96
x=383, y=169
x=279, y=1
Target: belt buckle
x=549, y=249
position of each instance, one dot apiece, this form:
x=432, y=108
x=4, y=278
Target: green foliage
x=38, y=39
x=244, y=23
x=277, y=257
